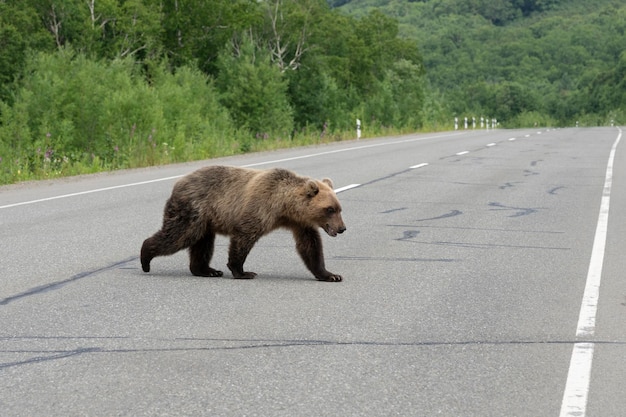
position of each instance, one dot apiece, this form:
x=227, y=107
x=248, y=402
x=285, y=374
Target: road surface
x=483, y=276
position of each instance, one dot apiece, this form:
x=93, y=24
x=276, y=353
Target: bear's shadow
x=180, y=275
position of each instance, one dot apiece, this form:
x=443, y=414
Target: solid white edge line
x=589, y=306
x=97, y=190
x=41, y=200
x=423, y=164
x=577, y=386
x=338, y=190
x=347, y=187
x=356, y=148
x=574, y=402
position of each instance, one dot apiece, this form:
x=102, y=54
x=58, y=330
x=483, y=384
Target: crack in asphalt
x=244, y=344
x=58, y=284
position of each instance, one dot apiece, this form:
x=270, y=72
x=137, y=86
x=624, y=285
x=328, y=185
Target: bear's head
x=323, y=208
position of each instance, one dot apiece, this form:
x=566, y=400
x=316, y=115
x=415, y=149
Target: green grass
x=41, y=166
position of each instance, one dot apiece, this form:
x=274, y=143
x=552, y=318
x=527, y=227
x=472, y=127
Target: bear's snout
x=333, y=231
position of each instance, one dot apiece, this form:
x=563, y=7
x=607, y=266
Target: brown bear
x=245, y=204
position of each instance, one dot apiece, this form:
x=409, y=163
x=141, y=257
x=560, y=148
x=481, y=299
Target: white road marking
x=375, y=145
x=345, y=188
x=134, y=184
x=526, y=136
x=423, y=164
x=462, y=153
x=577, y=386
x=579, y=374
x=97, y=190
x=587, y=317
x=491, y=144
x=511, y=139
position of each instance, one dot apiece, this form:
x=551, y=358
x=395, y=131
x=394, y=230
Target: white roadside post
x=358, y=129
x=482, y=122
x=465, y=123
x=473, y=122
x=456, y=123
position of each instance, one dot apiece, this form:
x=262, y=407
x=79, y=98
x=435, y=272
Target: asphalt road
x=465, y=262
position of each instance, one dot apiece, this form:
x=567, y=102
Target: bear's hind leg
x=200, y=254
x=158, y=244
x=309, y=246
x=180, y=226
x=148, y=251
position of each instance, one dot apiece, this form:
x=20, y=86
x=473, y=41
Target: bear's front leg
x=237, y=254
x=309, y=246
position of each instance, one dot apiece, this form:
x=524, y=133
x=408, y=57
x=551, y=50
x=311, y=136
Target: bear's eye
x=330, y=210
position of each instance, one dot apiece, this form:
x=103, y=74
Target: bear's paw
x=330, y=278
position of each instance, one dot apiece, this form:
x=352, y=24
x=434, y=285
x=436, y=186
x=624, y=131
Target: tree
x=194, y=31
x=288, y=27
x=20, y=31
x=254, y=90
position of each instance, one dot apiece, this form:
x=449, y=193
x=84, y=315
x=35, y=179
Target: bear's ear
x=311, y=188
x=328, y=182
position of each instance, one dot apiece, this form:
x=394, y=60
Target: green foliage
x=517, y=57
x=319, y=102
x=20, y=30
x=88, y=85
x=194, y=31
x=75, y=114
x=254, y=90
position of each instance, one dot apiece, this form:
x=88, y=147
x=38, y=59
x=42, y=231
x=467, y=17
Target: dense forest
x=548, y=61
x=90, y=85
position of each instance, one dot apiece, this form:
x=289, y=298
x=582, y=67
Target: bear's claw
x=208, y=272
x=331, y=278
x=245, y=275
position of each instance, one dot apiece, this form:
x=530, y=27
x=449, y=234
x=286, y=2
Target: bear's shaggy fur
x=245, y=204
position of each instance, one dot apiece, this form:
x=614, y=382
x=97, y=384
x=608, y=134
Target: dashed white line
x=512, y=139
x=423, y=164
x=462, y=153
x=491, y=144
